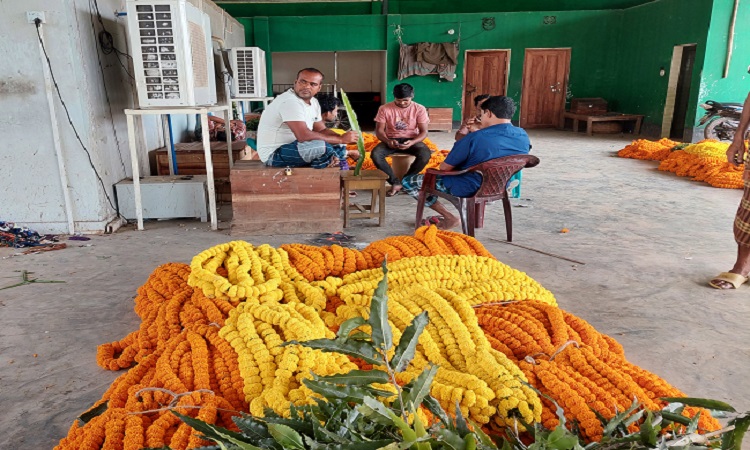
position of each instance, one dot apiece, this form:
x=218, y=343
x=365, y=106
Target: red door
x=545, y=81
x=486, y=73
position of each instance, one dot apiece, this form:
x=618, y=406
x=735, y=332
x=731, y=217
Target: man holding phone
x=401, y=127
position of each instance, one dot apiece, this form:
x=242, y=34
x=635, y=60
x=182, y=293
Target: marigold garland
x=437, y=156
x=568, y=360
x=318, y=263
x=262, y=296
x=648, y=150
x=704, y=161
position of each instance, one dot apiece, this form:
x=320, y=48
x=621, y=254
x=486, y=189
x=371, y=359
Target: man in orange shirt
x=401, y=127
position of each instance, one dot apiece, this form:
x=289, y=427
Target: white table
x=203, y=112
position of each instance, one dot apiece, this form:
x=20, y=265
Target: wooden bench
x=607, y=117
x=441, y=119
x=267, y=200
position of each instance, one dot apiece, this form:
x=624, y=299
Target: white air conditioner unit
x=249, y=67
x=172, y=53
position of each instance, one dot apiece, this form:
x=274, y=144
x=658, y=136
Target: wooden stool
x=367, y=180
x=400, y=164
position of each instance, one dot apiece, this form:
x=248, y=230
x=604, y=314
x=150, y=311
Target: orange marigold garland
x=648, y=150
x=318, y=263
x=567, y=359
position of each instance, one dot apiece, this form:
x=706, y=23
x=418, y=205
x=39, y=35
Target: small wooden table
x=367, y=180
x=608, y=117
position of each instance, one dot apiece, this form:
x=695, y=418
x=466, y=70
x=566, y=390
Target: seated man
x=472, y=123
x=496, y=138
x=401, y=127
x=291, y=132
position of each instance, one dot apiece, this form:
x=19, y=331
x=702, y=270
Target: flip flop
x=735, y=279
x=432, y=220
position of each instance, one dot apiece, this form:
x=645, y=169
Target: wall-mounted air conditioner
x=170, y=41
x=249, y=67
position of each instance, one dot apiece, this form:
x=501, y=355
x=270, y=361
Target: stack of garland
x=648, y=150
x=209, y=342
x=704, y=161
x=371, y=141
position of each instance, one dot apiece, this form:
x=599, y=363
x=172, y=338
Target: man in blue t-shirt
x=496, y=138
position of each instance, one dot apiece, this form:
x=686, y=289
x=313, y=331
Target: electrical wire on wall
x=107, y=41
x=37, y=23
x=93, y=6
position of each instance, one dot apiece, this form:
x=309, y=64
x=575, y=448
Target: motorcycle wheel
x=721, y=129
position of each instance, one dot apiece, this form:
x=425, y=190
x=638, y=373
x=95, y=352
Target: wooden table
x=608, y=117
x=367, y=180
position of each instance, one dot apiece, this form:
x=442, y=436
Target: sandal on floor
x=432, y=220
x=734, y=279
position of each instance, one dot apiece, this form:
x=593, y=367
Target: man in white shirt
x=291, y=132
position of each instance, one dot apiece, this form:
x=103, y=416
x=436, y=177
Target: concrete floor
x=649, y=241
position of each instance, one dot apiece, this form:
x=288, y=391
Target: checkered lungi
x=742, y=220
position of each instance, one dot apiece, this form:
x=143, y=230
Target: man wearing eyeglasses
x=291, y=131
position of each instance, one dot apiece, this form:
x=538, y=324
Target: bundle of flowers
x=210, y=345
x=648, y=150
x=318, y=263
x=371, y=141
x=583, y=371
x=714, y=170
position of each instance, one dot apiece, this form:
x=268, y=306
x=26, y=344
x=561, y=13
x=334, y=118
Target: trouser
x=413, y=183
x=419, y=150
x=316, y=154
x=742, y=219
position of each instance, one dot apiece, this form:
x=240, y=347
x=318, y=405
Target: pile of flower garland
x=209, y=347
x=704, y=161
x=371, y=141
x=318, y=263
x=584, y=371
x=648, y=150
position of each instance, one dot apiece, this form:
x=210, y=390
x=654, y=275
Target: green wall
x=514, y=31
x=647, y=37
x=735, y=87
x=615, y=53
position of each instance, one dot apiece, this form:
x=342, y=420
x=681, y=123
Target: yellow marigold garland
x=273, y=374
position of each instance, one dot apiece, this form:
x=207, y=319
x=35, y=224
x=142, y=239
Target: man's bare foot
x=395, y=189
x=448, y=222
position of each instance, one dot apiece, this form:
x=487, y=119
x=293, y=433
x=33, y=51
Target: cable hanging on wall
x=70, y=120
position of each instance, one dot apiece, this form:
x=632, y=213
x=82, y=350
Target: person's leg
x=287, y=156
x=742, y=237
x=329, y=156
x=378, y=155
x=421, y=154
x=412, y=185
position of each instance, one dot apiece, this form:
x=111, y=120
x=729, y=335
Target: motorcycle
x=721, y=120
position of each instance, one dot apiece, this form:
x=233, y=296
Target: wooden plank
x=292, y=227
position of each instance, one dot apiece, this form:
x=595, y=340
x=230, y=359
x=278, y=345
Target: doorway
x=678, y=92
x=545, y=82
x=485, y=72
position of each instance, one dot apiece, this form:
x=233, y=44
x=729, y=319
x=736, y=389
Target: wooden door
x=486, y=72
x=682, y=94
x=545, y=81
